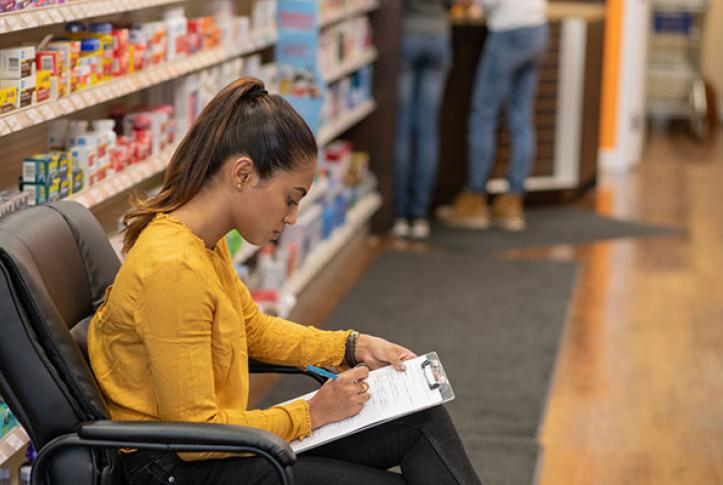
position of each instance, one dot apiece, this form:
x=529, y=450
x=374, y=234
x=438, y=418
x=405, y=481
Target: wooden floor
x=638, y=394
x=638, y=391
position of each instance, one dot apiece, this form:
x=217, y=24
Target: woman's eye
x=291, y=202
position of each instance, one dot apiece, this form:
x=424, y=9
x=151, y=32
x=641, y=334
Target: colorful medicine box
x=17, y=62
x=24, y=88
x=8, y=99
x=41, y=168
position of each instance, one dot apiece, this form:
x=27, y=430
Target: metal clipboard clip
x=436, y=377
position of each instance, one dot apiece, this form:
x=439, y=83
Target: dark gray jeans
x=424, y=445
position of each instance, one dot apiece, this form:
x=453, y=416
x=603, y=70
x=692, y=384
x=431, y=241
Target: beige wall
x=713, y=49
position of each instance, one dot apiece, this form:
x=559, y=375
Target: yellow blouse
x=172, y=340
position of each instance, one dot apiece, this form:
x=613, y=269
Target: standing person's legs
x=433, y=72
x=425, y=445
x=491, y=89
x=405, y=119
x=521, y=107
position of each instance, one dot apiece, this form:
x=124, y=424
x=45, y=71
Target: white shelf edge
x=329, y=132
x=37, y=114
x=31, y=18
x=352, y=66
x=324, y=251
x=330, y=19
x=121, y=182
x=12, y=442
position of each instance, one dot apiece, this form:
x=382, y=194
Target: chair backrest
x=55, y=265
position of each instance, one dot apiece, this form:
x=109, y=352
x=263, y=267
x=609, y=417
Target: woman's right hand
x=340, y=398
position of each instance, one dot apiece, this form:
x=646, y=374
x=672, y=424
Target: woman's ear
x=243, y=173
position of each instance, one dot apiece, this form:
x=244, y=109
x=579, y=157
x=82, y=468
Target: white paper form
x=393, y=394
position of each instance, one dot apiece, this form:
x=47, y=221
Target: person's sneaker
x=420, y=229
x=400, y=228
x=469, y=211
x=507, y=212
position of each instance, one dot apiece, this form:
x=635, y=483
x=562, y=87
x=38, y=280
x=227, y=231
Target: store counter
x=567, y=109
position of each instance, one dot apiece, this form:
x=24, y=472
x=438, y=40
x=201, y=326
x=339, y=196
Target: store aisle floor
x=638, y=394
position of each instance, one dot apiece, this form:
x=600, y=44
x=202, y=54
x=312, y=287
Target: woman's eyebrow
x=302, y=190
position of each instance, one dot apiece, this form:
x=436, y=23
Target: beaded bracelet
x=350, y=349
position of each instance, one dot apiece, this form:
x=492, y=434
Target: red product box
x=49, y=61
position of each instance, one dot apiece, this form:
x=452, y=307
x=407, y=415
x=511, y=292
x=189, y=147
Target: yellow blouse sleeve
x=175, y=322
x=277, y=341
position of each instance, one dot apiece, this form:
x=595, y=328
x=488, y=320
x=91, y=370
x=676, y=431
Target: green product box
x=40, y=168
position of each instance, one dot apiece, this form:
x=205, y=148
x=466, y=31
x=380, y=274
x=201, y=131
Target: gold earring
x=239, y=185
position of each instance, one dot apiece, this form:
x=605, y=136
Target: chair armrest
x=257, y=367
x=191, y=435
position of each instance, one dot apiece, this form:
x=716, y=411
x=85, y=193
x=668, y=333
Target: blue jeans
x=507, y=74
x=424, y=62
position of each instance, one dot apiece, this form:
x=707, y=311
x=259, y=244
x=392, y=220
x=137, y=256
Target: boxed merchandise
x=41, y=168
x=17, y=62
x=46, y=86
x=11, y=201
x=68, y=69
x=8, y=99
x=103, y=32
x=24, y=88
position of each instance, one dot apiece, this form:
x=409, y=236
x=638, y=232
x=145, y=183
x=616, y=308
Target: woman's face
x=261, y=209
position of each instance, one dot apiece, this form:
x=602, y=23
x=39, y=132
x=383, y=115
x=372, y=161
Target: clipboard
x=393, y=394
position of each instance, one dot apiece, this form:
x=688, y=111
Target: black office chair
x=55, y=264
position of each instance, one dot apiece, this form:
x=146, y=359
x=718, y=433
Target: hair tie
x=256, y=93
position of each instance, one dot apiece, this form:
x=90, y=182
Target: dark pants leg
x=424, y=445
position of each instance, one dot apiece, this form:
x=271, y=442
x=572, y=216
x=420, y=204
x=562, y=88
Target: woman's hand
x=376, y=352
x=341, y=398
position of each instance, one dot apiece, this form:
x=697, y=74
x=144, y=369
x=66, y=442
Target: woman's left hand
x=376, y=352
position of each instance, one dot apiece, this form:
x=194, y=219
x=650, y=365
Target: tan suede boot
x=468, y=211
x=507, y=212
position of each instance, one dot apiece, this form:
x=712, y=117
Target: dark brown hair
x=239, y=121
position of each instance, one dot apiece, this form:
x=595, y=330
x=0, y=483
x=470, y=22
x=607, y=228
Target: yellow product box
x=8, y=99
x=25, y=89
x=46, y=86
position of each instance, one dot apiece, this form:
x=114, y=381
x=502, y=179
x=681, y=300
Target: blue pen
x=321, y=372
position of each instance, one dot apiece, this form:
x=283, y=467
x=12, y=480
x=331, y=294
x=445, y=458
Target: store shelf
x=350, y=66
x=30, y=18
x=345, y=13
x=330, y=131
x=12, y=442
x=318, y=190
x=133, y=175
x=322, y=254
x=34, y=115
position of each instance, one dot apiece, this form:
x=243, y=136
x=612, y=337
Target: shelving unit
x=352, y=65
x=23, y=118
x=12, y=442
x=359, y=215
x=125, y=180
x=31, y=18
x=343, y=14
x=331, y=131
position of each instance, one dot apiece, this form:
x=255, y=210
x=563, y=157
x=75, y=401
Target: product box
x=46, y=87
x=17, y=62
x=24, y=88
x=70, y=54
x=49, y=61
x=8, y=99
x=41, y=168
x=37, y=193
x=78, y=181
x=12, y=201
